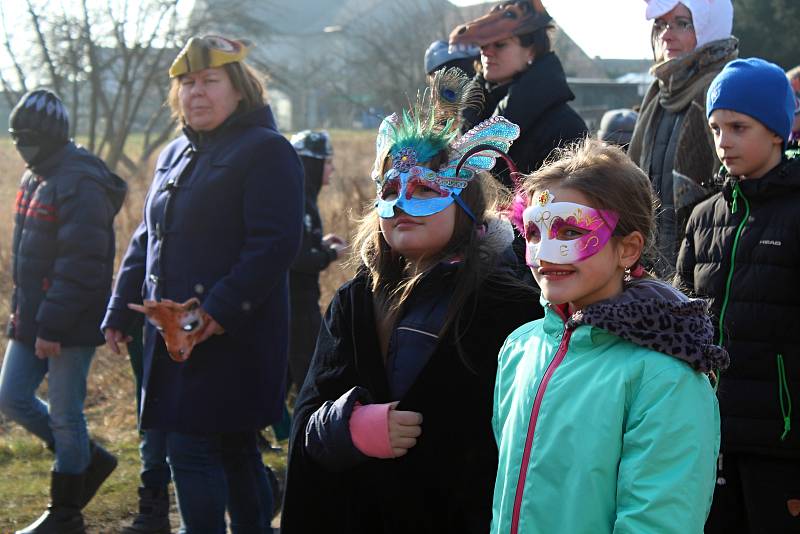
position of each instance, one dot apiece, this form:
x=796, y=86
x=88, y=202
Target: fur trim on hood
x=653, y=314
x=498, y=234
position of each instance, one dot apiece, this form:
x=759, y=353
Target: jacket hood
x=499, y=234
x=72, y=163
x=782, y=180
x=313, y=169
x=653, y=314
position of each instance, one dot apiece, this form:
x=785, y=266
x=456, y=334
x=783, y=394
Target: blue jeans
x=218, y=471
x=59, y=423
x=153, y=445
x=155, y=472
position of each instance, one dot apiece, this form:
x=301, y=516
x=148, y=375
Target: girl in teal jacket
x=604, y=416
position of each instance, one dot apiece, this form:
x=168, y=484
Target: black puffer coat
x=762, y=311
x=536, y=100
x=63, y=248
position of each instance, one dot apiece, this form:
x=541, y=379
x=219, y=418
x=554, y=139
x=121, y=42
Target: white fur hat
x=713, y=19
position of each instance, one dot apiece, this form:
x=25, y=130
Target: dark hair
x=539, y=40
x=244, y=78
x=392, y=280
x=609, y=179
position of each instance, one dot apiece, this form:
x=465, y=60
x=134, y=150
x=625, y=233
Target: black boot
x=101, y=464
x=63, y=515
x=153, y=516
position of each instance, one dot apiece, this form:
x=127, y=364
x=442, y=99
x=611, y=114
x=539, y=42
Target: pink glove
x=369, y=430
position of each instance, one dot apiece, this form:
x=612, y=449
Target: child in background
x=742, y=253
x=604, y=418
x=392, y=427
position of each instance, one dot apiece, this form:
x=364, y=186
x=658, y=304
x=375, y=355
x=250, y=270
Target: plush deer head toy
x=179, y=324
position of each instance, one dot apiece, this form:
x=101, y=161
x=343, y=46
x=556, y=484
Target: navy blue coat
x=63, y=248
x=222, y=222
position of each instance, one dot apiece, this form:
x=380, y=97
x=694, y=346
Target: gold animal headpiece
x=207, y=52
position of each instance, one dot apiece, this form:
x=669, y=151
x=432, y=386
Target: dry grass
x=110, y=405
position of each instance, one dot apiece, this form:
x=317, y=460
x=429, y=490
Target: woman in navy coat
x=222, y=223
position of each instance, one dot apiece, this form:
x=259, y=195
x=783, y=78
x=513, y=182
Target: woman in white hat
x=672, y=143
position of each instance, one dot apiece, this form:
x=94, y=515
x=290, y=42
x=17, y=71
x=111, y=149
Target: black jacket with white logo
x=742, y=252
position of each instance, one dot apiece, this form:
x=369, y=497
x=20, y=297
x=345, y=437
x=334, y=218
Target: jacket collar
x=782, y=180
x=259, y=117
x=654, y=315
x=540, y=87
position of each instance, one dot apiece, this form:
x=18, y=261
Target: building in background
x=344, y=63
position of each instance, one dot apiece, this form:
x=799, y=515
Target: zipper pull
x=735, y=205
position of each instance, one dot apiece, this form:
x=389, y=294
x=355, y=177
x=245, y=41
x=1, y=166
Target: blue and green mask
x=419, y=190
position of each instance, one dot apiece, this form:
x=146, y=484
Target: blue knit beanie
x=756, y=88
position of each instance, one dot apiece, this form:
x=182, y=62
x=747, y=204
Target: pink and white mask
x=564, y=232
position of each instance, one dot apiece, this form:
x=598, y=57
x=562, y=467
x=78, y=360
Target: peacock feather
x=433, y=122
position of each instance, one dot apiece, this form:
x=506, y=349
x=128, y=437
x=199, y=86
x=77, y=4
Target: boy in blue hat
x=742, y=252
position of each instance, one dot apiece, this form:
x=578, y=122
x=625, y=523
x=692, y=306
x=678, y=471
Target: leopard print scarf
x=653, y=314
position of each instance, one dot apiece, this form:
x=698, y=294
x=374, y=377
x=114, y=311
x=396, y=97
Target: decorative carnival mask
x=564, y=232
x=412, y=140
x=504, y=20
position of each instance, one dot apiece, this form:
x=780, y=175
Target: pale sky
x=605, y=28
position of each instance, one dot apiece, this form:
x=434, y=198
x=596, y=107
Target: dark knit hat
x=756, y=88
x=41, y=113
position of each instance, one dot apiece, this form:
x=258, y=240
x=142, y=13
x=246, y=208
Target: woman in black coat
x=222, y=223
x=522, y=80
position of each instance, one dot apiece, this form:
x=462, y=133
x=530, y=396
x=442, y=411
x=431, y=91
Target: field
x=110, y=404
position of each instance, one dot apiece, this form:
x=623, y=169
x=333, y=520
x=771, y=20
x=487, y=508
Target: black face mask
x=29, y=153
x=33, y=148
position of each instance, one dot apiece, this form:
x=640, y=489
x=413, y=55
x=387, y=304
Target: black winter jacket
x=536, y=100
x=313, y=258
x=63, y=248
x=762, y=311
x=304, y=293
x=444, y=483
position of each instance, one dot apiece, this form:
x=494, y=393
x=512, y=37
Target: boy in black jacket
x=63, y=256
x=742, y=252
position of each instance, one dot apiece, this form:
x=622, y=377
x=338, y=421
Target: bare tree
x=343, y=59
x=109, y=64
x=389, y=49
x=371, y=61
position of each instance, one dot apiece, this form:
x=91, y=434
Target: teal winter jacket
x=605, y=421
